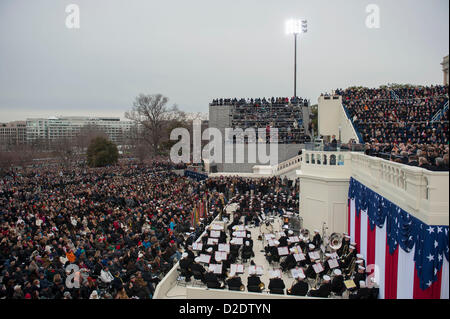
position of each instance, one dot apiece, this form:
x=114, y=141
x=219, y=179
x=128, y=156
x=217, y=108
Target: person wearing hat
x=310, y=272
x=212, y=281
x=363, y=291
x=300, y=287
x=361, y=258
x=288, y=263
x=324, y=289
x=283, y=240
x=276, y=283
x=197, y=268
x=360, y=276
x=249, y=240
x=247, y=251
x=253, y=281
x=348, y=259
x=344, y=246
x=317, y=239
x=234, y=283
x=185, y=266
x=337, y=284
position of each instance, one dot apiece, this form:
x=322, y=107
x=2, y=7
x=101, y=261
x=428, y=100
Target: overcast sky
x=194, y=51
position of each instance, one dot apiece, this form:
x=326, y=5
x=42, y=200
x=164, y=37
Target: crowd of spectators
x=282, y=113
x=397, y=123
x=123, y=227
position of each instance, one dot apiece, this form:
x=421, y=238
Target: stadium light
x=295, y=27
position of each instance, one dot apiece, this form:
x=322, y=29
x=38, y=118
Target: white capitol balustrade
x=326, y=164
x=324, y=182
x=422, y=193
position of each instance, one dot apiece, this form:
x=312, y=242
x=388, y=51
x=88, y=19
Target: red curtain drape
x=391, y=273
x=370, y=245
x=433, y=292
x=358, y=232
x=348, y=219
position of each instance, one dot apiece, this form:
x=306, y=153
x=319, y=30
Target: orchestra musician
x=324, y=289
x=337, y=284
x=234, y=282
x=360, y=276
x=300, y=287
x=196, y=267
x=345, y=245
x=363, y=291
x=317, y=239
x=276, y=283
x=288, y=263
x=247, y=251
x=185, y=264
x=345, y=263
x=310, y=272
x=249, y=240
x=212, y=281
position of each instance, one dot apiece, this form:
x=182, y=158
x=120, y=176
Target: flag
x=410, y=258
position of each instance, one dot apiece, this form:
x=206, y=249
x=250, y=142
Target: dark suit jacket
x=276, y=283
x=253, y=281
x=323, y=291
x=300, y=289
x=234, y=282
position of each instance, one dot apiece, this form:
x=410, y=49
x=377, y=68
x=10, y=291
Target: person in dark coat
x=337, y=284
x=234, y=282
x=300, y=287
x=276, y=283
x=324, y=289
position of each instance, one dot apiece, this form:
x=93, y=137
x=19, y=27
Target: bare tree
x=153, y=116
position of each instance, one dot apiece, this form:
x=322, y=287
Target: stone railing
x=290, y=164
x=420, y=192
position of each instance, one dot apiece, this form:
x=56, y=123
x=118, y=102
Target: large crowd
x=399, y=125
x=122, y=226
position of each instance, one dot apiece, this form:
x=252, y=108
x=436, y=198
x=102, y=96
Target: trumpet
x=261, y=286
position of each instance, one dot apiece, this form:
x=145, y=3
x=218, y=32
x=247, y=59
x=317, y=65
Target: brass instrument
x=316, y=281
x=304, y=234
x=335, y=242
x=345, y=252
x=242, y=288
x=261, y=286
x=351, y=267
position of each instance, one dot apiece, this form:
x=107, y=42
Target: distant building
x=12, y=133
x=69, y=127
x=445, y=69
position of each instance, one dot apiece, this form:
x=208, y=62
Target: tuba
x=335, y=241
x=304, y=234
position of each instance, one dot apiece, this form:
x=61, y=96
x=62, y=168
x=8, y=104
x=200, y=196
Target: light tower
x=295, y=27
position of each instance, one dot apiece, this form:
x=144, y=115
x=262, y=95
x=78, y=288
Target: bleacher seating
x=400, y=123
x=282, y=113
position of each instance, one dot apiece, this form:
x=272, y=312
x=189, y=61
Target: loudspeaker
x=213, y=168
